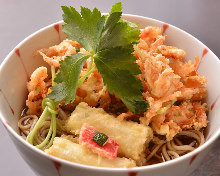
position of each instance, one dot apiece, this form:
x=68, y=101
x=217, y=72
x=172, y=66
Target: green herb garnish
x=77, y=50
x=188, y=101
x=49, y=111
x=164, y=109
x=178, y=114
x=109, y=39
x=100, y=138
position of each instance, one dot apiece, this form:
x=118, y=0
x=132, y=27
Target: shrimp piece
x=141, y=57
x=66, y=47
x=36, y=86
x=56, y=53
x=183, y=69
x=161, y=126
x=166, y=84
x=34, y=108
x=124, y=116
x=177, y=118
x=170, y=128
x=160, y=79
x=201, y=117
x=156, y=44
x=194, y=81
x=193, y=93
x=150, y=33
x=190, y=79
x=188, y=115
x=152, y=68
x=155, y=105
x=93, y=91
x=161, y=58
x=37, y=90
x=52, y=61
x=202, y=92
x=182, y=115
x=172, y=52
x=140, y=53
x=143, y=45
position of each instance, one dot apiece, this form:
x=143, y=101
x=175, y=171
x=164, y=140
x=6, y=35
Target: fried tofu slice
x=131, y=136
x=68, y=150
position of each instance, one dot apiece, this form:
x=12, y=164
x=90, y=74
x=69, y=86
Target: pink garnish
x=109, y=149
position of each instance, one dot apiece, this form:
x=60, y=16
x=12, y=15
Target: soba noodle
x=27, y=122
x=175, y=148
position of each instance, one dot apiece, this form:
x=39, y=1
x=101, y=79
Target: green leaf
x=117, y=7
x=110, y=41
x=118, y=32
x=119, y=57
x=117, y=68
x=85, y=28
x=67, y=78
x=100, y=138
x=136, y=106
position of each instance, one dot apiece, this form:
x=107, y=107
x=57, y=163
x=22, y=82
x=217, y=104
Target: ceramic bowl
x=20, y=63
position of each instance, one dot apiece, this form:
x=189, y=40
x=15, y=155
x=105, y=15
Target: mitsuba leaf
x=85, y=28
x=118, y=32
x=67, y=78
x=136, y=106
x=117, y=67
x=117, y=7
x=119, y=57
x=109, y=39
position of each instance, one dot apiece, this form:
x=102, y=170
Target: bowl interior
x=21, y=62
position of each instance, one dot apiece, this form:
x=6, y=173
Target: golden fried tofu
x=131, y=136
x=68, y=150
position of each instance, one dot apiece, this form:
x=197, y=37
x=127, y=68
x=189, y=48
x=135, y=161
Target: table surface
x=20, y=18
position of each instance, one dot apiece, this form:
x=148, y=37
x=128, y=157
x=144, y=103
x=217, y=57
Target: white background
x=20, y=18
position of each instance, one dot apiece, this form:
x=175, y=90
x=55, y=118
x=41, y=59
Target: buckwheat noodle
x=27, y=123
x=175, y=148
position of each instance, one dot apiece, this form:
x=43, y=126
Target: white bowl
x=20, y=63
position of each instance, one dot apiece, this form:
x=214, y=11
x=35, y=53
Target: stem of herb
x=53, y=121
x=49, y=110
x=88, y=72
x=53, y=75
x=42, y=144
x=164, y=109
x=42, y=118
x=91, y=62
